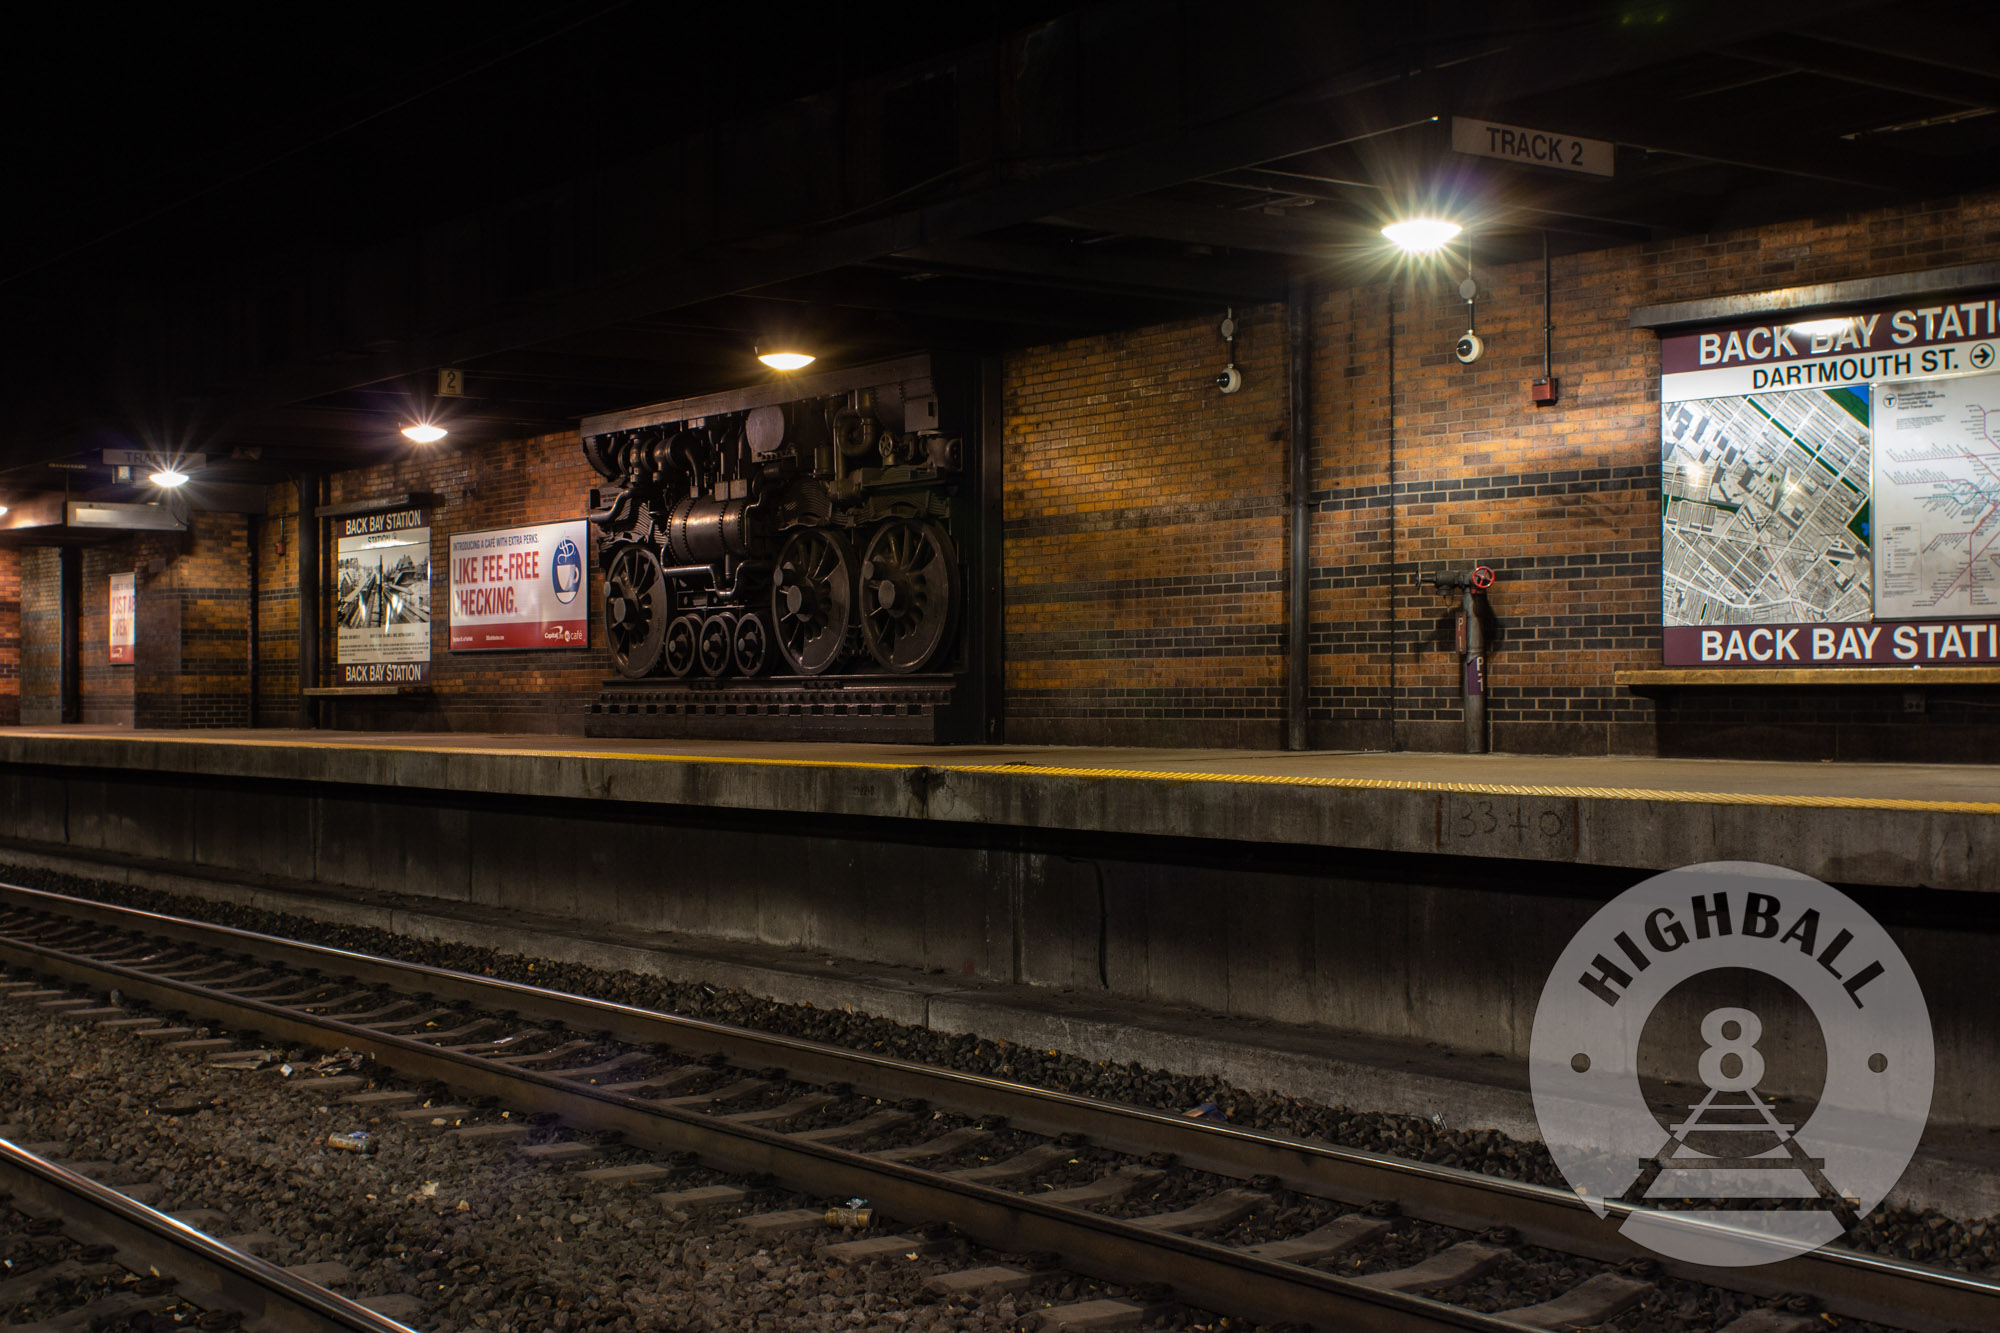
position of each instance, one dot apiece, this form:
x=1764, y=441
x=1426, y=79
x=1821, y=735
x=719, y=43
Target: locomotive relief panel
x=811, y=542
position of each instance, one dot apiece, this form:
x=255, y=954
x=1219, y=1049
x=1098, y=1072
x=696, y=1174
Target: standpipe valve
x=1471, y=646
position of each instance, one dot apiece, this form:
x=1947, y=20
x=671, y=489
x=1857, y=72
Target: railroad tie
x=131, y=1023
x=876, y=1123
x=95, y=1012
x=1772, y=1321
x=944, y=1145
x=38, y=994
x=1603, y=1297
x=393, y=1305
x=1447, y=1268
x=106, y=1312
x=423, y=1119
x=665, y=1081
x=876, y=1248
x=462, y=1030
x=781, y=1223
x=704, y=1196
x=414, y=1020
x=482, y=1135
x=16, y=1290
x=199, y=1044
x=777, y=1115
x=543, y=1057
x=555, y=1154
x=70, y=1003
x=1217, y=1211
x=616, y=1062
x=163, y=1033
x=1100, y=1314
x=332, y=1083
x=716, y=1096
x=641, y=1173
x=387, y=1097
x=977, y=1281
x=1105, y=1189
x=327, y=1274
x=1018, y=1167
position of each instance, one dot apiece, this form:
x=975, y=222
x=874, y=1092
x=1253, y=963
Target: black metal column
x=1298, y=571
x=308, y=484
x=70, y=592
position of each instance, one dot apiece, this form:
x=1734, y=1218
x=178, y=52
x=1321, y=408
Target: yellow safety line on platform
x=1138, y=775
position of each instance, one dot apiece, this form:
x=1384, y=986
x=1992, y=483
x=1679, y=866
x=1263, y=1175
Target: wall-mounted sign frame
x=514, y=588
x=382, y=598
x=124, y=614
x=1830, y=488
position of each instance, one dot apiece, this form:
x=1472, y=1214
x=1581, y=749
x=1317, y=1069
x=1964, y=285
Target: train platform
x=1916, y=825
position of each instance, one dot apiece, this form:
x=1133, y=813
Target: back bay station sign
x=1830, y=488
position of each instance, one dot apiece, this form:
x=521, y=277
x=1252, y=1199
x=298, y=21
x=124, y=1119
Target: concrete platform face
x=1404, y=897
x=1885, y=824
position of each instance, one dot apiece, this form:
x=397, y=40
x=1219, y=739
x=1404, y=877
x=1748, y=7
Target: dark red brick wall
x=1144, y=568
x=274, y=539
x=41, y=630
x=1145, y=524
x=481, y=485
x=10, y=637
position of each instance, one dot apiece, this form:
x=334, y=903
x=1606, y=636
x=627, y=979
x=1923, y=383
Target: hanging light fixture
x=1421, y=236
x=425, y=433
x=786, y=360
x=167, y=478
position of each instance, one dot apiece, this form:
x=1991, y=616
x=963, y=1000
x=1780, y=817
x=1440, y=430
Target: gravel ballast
x=1969, y=1244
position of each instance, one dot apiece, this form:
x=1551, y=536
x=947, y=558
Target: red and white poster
x=124, y=605
x=520, y=588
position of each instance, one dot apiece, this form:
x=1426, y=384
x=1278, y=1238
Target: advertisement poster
x=1827, y=490
x=382, y=606
x=520, y=588
x=124, y=605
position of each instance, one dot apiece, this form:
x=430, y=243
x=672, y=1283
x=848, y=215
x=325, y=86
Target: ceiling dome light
x=425, y=433
x=1421, y=236
x=786, y=360
x=168, y=478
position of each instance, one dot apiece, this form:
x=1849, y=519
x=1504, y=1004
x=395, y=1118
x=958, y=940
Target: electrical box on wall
x=1543, y=391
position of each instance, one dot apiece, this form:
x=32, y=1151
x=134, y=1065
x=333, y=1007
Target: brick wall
x=10, y=636
x=41, y=630
x=275, y=540
x=1145, y=526
x=479, y=485
x=1144, y=516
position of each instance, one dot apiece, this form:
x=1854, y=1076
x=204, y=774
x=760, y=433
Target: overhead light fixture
x=168, y=478
x=425, y=433
x=786, y=360
x=3, y=511
x=1421, y=236
x=1821, y=328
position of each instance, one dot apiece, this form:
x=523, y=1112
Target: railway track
x=816, y=1117
x=109, y=1259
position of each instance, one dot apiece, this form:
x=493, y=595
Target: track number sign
x=1540, y=148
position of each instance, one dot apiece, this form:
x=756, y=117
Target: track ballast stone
x=1923, y=1235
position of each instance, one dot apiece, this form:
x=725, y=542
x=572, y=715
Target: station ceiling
x=264, y=249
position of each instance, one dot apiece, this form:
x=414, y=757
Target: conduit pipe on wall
x=1298, y=374
x=308, y=544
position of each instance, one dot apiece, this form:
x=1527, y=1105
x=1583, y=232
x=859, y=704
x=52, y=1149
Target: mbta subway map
x=1937, y=498
x=1767, y=508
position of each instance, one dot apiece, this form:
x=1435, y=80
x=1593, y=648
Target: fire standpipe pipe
x=1471, y=646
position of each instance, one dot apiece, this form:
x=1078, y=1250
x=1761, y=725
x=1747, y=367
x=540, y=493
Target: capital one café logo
x=1788, y=1060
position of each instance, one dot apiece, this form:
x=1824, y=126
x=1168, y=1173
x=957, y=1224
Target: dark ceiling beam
x=1198, y=224
x=1355, y=104
x=1872, y=69
x=1092, y=268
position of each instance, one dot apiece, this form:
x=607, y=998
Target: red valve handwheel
x=1482, y=578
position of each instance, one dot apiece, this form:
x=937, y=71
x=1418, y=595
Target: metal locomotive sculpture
x=803, y=538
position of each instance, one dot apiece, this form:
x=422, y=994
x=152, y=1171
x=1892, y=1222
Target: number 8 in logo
x=1724, y=1043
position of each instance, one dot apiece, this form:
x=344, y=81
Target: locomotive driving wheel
x=753, y=644
x=908, y=585
x=717, y=645
x=637, y=605
x=683, y=646
x=812, y=600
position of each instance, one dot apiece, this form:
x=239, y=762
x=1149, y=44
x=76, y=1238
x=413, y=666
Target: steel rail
x=1200, y=1273
x=1851, y=1284
x=206, y=1272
